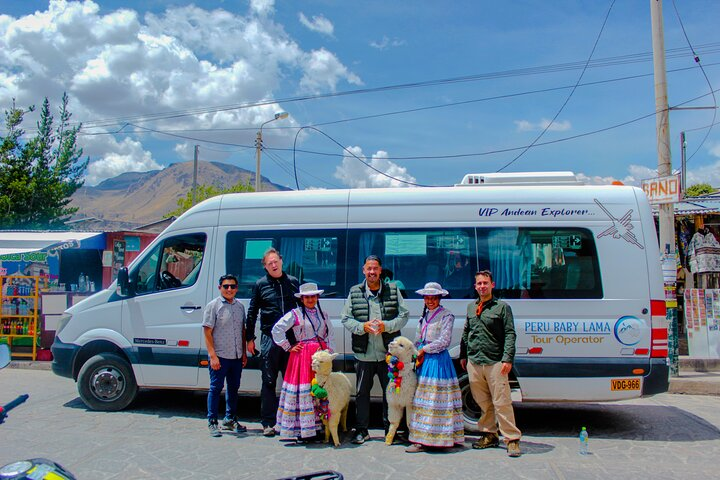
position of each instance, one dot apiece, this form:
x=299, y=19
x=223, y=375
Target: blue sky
x=425, y=92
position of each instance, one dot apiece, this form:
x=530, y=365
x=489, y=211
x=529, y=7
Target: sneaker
x=513, y=448
x=268, y=432
x=359, y=437
x=228, y=424
x=488, y=440
x=415, y=448
x=214, y=429
x=231, y=424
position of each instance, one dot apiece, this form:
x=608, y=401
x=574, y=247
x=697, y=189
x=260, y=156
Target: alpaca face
x=402, y=348
x=322, y=362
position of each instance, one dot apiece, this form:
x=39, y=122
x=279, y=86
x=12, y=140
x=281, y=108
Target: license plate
x=625, y=384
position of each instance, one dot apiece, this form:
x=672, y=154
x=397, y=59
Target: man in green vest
x=374, y=313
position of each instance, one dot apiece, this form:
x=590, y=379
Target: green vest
x=360, y=308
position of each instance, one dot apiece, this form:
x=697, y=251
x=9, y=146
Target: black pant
x=365, y=372
x=273, y=360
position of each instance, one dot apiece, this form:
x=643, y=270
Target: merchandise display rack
x=20, y=299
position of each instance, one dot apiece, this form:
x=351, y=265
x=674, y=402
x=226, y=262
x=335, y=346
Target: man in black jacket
x=273, y=296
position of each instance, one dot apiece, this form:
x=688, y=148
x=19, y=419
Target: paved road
x=164, y=435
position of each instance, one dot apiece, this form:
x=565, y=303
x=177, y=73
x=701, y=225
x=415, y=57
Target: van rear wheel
x=471, y=410
x=107, y=383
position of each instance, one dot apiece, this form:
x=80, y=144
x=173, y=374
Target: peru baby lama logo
x=628, y=330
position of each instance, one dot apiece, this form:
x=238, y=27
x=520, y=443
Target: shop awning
x=707, y=204
x=12, y=242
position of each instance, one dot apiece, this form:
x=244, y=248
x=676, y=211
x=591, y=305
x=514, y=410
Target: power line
x=696, y=57
x=709, y=48
x=297, y=184
x=572, y=91
x=367, y=117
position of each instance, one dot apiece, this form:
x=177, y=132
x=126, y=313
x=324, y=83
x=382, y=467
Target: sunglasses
x=228, y=286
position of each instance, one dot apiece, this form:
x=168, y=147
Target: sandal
x=415, y=448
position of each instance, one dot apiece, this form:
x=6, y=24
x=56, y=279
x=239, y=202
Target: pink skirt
x=296, y=412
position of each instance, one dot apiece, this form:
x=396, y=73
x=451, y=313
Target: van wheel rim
x=107, y=384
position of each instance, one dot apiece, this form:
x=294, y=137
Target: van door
x=162, y=318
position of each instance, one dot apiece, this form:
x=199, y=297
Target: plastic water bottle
x=583, y=441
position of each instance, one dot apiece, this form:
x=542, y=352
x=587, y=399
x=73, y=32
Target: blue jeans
x=230, y=370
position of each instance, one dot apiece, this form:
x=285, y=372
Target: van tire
x=106, y=382
x=471, y=410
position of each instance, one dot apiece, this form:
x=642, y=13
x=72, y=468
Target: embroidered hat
x=309, y=289
x=432, y=288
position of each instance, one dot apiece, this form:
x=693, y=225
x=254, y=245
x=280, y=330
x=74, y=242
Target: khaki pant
x=491, y=391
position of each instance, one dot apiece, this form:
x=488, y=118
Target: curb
x=30, y=365
x=694, y=387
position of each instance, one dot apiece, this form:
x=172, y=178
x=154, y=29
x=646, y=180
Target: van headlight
x=64, y=319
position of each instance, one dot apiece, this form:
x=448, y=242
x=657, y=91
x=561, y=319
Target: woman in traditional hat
x=437, y=419
x=296, y=417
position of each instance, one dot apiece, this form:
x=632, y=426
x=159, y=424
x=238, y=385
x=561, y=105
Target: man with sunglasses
x=224, y=330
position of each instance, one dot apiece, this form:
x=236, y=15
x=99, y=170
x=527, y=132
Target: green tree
x=203, y=192
x=699, y=189
x=39, y=177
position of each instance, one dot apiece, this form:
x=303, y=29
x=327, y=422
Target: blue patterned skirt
x=437, y=419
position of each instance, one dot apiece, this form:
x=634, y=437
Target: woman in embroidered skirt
x=437, y=419
x=296, y=416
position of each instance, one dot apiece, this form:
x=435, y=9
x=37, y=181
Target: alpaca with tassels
x=331, y=394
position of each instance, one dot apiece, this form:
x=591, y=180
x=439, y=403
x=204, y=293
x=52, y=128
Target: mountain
x=133, y=199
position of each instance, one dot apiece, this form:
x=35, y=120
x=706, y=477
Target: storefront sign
x=132, y=244
x=662, y=189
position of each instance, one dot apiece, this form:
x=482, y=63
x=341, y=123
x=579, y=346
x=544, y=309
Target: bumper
x=63, y=358
x=658, y=380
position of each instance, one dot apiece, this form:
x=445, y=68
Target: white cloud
x=527, y=126
x=323, y=71
x=386, y=43
x=318, y=24
x=262, y=7
x=115, y=64
x=353, y=173
x=637, y=173
x=114, y=158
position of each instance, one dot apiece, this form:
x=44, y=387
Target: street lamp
x=258, y=147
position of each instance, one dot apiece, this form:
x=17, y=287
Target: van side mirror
x=4, y=355
x=123, y=282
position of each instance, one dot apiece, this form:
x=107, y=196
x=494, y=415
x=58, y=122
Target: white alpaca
x=338, y=389
x=400, y=400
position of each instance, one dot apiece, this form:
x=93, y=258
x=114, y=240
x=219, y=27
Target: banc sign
x=662, y=189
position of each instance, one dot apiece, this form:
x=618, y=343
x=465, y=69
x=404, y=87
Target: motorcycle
x=44, y=469
x=34, y=468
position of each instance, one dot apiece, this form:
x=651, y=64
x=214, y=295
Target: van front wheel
x=471, y=410
x=107, y=383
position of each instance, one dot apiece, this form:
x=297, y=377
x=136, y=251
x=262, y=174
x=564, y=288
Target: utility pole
x=195, y=163
x=667, y=210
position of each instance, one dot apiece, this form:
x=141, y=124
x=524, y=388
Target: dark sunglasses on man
x=229, y=286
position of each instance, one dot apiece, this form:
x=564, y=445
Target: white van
x=578, y=264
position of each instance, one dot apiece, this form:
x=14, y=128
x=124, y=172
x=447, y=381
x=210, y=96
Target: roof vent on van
x=520, y=178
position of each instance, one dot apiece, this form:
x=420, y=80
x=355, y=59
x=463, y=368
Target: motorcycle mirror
x=4, y=355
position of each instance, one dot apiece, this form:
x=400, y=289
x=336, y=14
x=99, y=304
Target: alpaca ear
x=333, y=355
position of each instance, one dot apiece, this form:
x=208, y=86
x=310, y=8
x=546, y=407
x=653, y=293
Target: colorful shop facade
x=697, y=225
x=42, y=273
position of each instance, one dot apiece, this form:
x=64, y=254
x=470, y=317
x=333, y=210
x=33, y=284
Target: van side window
x=541, y=262
x=309, y=256
x=412, y=258
x=175, y=263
